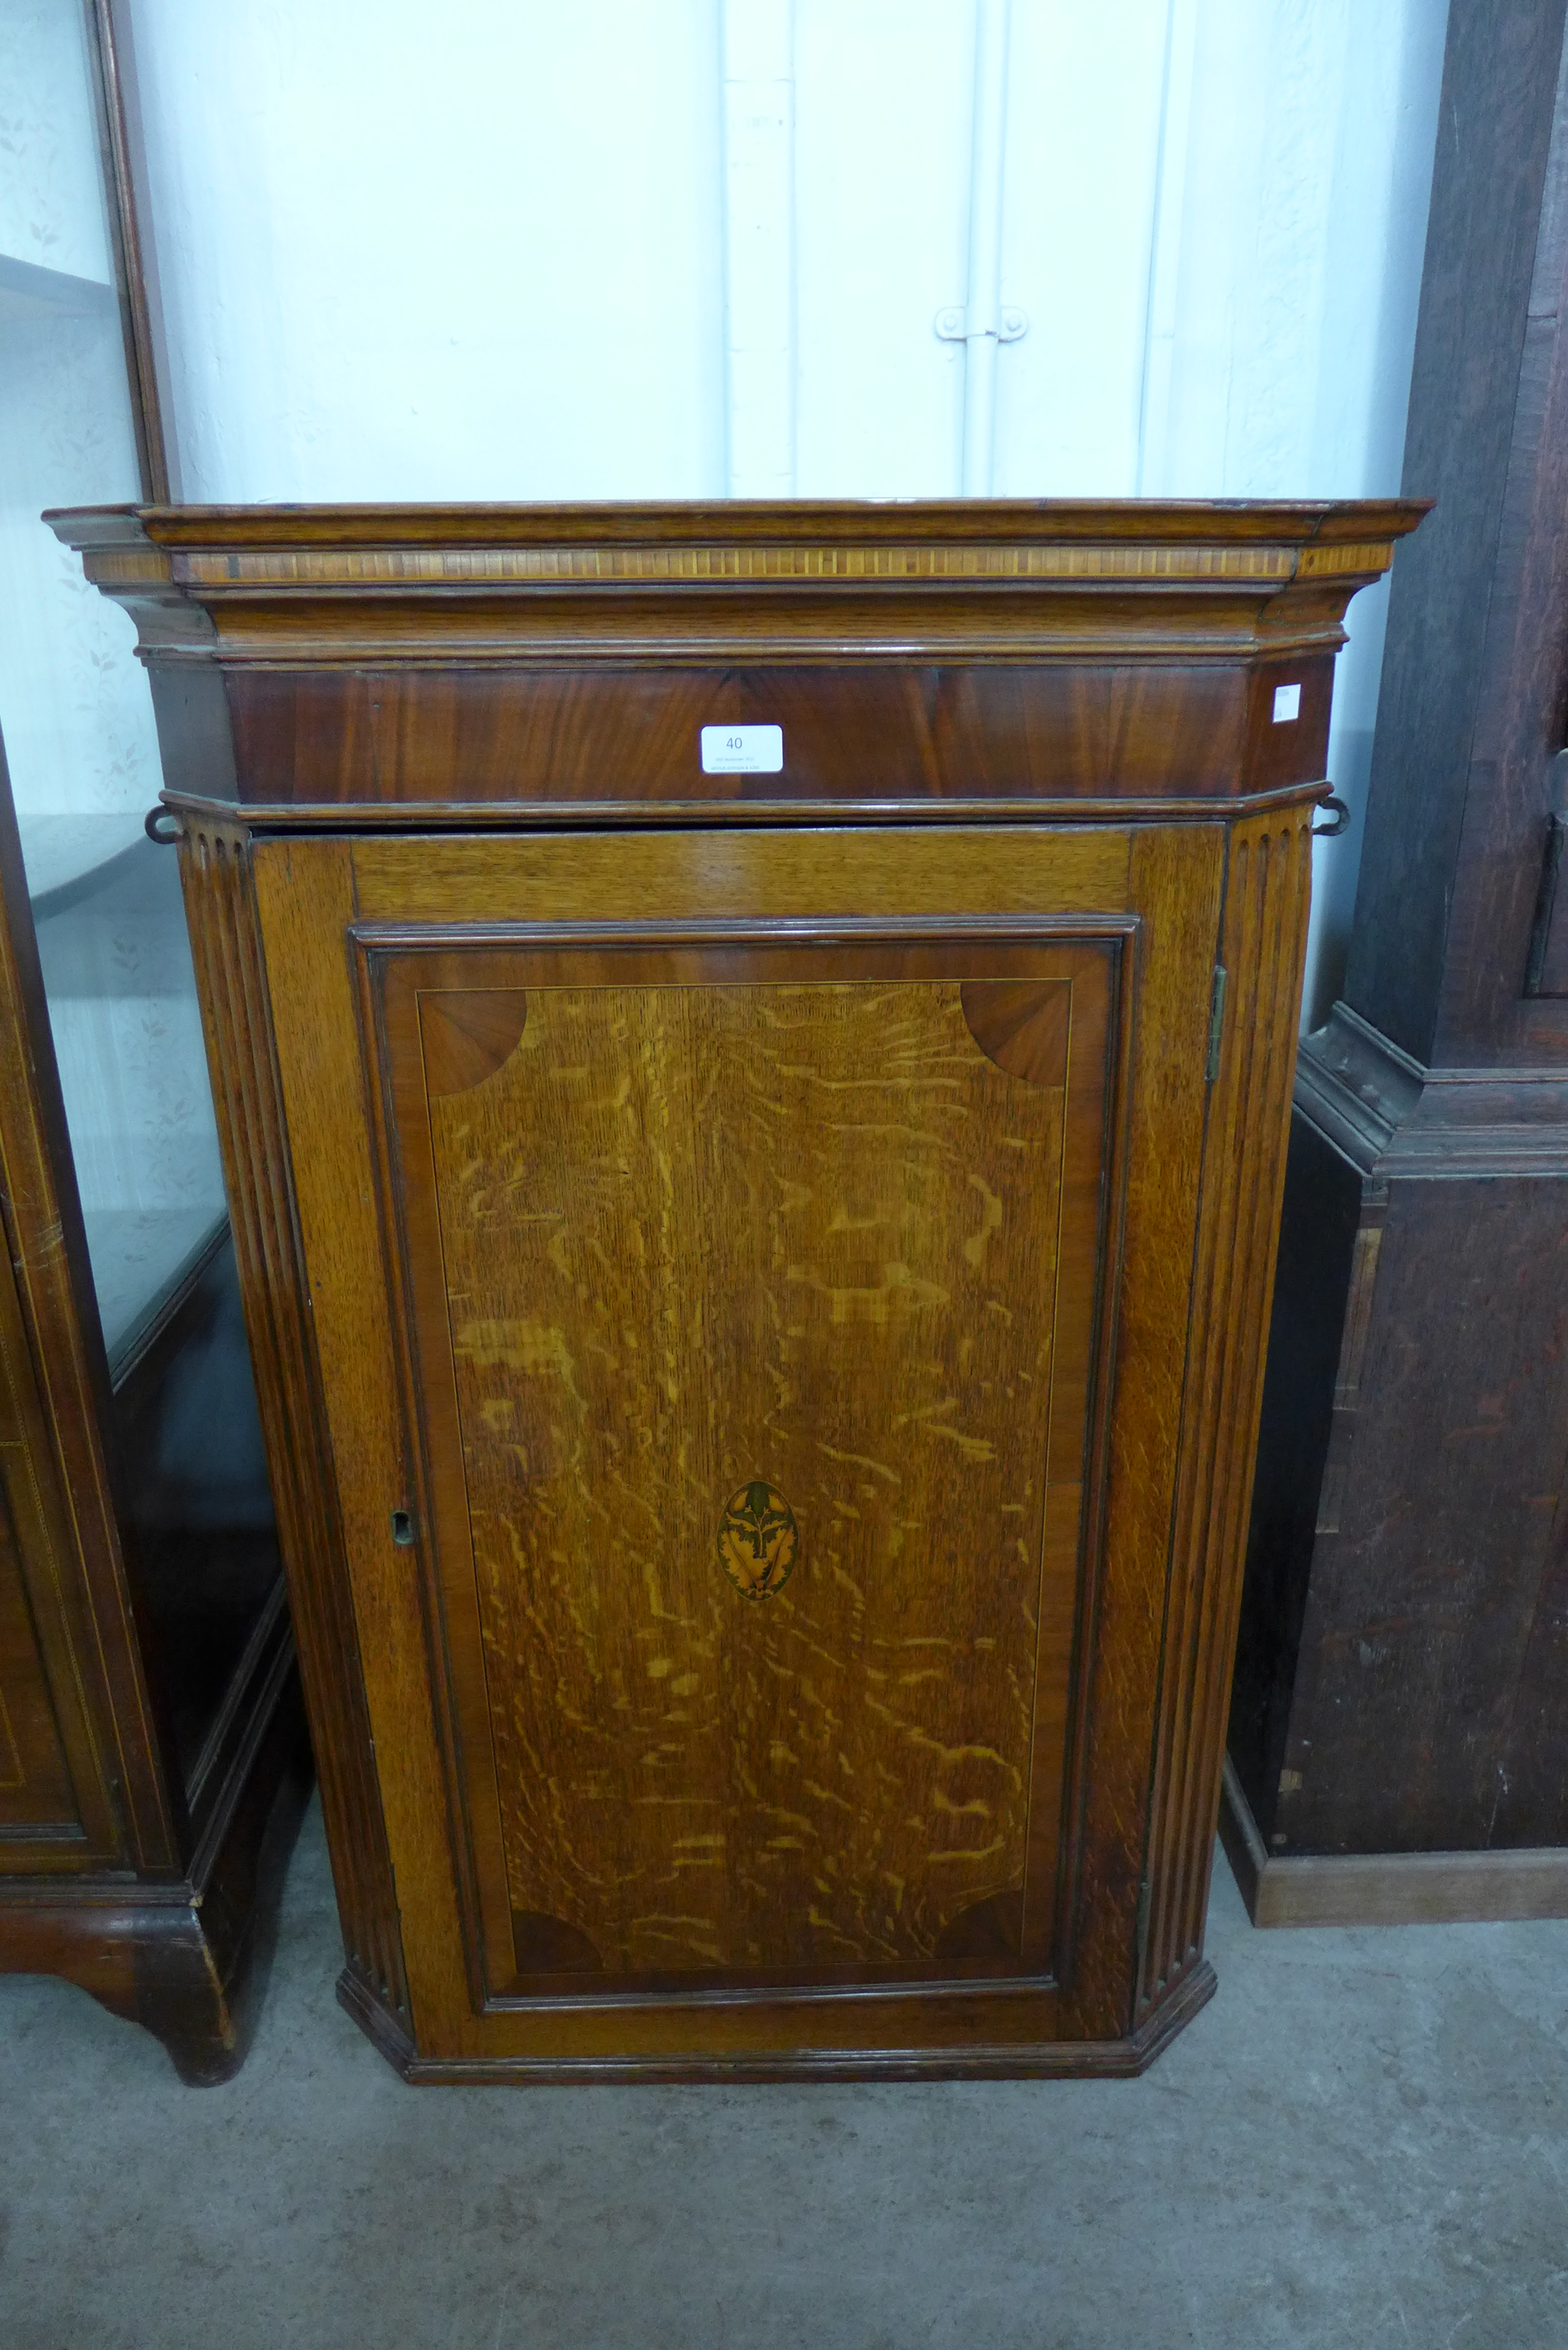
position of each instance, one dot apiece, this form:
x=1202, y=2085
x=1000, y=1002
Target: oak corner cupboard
x=754, y=1047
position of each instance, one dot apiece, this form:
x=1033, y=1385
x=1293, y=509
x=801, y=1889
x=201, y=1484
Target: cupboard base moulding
x=1048, y=2061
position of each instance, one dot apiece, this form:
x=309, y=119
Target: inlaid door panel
x=753, y=1304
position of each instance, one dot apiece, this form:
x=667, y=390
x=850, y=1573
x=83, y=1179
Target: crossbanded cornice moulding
x=980, y=581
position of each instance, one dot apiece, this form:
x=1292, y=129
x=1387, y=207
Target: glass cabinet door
x=76, y=717
x=74, y=703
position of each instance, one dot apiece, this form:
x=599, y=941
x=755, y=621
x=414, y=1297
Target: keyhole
x=403, y=1529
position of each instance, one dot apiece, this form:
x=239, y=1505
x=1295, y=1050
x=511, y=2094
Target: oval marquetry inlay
x=758, y=1540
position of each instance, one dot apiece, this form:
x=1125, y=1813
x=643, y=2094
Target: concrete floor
x=1363, y=2141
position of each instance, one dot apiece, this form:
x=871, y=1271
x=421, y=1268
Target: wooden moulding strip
x=1387, y=1888
x=1293, y=523
x=1284, y=902
x=1052, y=2060
x=362, y=816
x=1018, y=630
x=246, y=1088
x=1262, y=946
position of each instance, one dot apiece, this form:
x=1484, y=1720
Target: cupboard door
x=752, y=1325
x=749, y=1279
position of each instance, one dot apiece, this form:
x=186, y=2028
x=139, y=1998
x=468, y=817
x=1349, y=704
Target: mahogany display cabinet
x=753, y=1046
x=153, y=1763
x=153, y=1758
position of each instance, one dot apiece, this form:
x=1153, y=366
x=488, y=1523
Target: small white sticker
x=742, y=750
x=1287, y=703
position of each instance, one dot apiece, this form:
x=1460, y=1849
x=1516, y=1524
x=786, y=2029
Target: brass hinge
x=1216, y=1020
x=1144, y=1908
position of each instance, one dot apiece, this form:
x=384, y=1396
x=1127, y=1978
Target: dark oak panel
x=1404, y=1630
x=1472, y=699
x=1408, y=1628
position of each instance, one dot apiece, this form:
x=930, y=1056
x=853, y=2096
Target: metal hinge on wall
x=1216, y=1020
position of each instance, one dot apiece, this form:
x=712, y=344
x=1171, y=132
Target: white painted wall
x=439, y=248
x=757, y=63
x=1297, y=269
x=672, y=249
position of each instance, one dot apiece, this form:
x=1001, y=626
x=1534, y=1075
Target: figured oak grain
x=839, y=1222
x=790, y=874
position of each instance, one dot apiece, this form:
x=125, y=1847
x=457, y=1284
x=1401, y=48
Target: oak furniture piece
x=753, y=1046
x=1399, y=1732
x=152, y=1756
